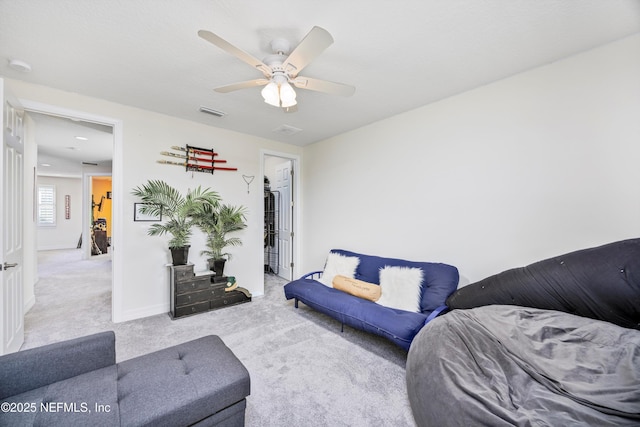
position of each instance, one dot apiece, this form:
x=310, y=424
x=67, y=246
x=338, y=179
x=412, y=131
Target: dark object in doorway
x=101, y=244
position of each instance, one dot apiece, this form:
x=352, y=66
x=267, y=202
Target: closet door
x=285, y=208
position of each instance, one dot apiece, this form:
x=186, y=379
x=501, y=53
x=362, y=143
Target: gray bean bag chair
x=555, y=343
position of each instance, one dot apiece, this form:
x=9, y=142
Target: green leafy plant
x=217, y=222
x=180, y=211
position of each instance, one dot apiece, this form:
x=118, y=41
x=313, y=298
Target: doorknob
x=8, y=265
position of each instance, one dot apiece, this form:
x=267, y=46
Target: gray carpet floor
x=304, y=371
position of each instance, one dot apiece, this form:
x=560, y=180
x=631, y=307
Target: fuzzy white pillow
x=401, y=288
x=338, y=264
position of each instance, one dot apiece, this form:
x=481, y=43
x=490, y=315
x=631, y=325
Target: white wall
x=66, y=233
x=141, y=282
x=526, y=168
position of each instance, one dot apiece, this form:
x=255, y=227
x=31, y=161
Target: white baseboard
x=28, y=304
x=55, y=247
x=143, y=312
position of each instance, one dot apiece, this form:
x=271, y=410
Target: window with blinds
x=47, y=205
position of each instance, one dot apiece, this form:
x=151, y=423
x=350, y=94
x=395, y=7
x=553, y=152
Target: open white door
x=283, y=186
x=11, y=225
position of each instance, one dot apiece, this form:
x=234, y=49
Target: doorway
x=280, y=214
x=91, y=165
x=100, y=195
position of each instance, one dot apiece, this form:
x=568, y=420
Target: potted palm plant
x=217, y=222
x=178, y=213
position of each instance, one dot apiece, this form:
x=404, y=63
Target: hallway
x=68, y=288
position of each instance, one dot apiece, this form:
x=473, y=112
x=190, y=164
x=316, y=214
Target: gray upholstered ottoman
x=77, y=382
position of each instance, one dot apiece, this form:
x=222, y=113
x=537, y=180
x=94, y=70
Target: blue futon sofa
x=400, y=326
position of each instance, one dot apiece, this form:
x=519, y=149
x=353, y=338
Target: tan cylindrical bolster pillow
x=357, y=287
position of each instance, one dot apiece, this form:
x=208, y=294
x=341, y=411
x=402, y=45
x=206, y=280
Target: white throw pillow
x=401, y=288
x=338, y=264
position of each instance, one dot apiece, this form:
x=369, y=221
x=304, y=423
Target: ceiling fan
x=281, y=68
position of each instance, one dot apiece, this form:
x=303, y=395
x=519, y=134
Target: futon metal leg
x=341, y=327
x=295, y=304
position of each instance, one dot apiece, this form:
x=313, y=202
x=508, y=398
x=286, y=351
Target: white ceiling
x=76, y=141
x=398, y=55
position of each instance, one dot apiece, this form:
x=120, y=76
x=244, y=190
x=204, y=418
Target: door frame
x=296, y=217
x=118, y=191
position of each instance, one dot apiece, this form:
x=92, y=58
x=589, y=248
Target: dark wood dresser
x=196, y=293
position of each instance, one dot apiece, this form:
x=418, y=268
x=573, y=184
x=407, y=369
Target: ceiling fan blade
x=239, y=53
x=323, y=86
x=313, y=44
x=241, y=85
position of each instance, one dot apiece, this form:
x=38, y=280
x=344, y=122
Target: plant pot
x=217, y=265
x=180, y=255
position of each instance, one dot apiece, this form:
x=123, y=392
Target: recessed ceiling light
x=19, y=65
x=82, y=138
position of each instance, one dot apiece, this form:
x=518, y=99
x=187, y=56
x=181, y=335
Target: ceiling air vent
x=212, y=112
x=286, y=130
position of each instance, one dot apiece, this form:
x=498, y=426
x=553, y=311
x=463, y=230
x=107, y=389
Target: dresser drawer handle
x=193, y=309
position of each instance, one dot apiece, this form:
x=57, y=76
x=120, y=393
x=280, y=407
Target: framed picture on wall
x=139, y=215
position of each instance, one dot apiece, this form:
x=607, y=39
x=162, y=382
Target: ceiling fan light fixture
x=271, y=95
x=287, y=95
x=287, y=104
x=278, y=92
